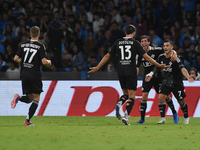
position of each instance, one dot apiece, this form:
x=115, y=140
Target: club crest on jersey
x=152, y=56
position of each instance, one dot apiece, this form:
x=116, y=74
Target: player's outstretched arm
x=17, y=59
x=186, y=74
x=149, y=59
x=102, y=62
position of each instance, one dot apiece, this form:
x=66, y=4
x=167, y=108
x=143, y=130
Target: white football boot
x=162, y=120
x=186, y=120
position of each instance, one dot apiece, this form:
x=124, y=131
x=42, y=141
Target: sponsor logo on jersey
x=147, y=64
x=125, y=62
x=27, y=65
x=167, y=69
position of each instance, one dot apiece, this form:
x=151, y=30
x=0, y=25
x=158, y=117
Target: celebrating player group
x=163, y=70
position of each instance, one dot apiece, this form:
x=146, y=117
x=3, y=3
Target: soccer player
x=155, y=82
x=126, y=49
x=172, y=82
x=31, y=55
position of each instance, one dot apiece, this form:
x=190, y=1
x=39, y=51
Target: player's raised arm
x=102, y=62
x=186, y=74
x=149, y=59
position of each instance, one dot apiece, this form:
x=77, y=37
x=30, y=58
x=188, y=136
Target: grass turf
x=99, y=133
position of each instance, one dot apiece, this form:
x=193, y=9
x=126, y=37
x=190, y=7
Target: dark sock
x=184, y=108
x=25, y=99
x=171, y=105
x=162, y=107
x=129, y=106
x=122, y=99
x=143, y=107
x=32, y=110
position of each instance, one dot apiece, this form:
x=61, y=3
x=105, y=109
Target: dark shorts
x=31, y=85
x=128, y=82
x=178, y=91
x=154, y=82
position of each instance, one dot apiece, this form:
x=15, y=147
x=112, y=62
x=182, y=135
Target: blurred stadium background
x=91, y=27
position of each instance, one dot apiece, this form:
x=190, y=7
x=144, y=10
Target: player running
x=126, y=49
x=172, y=82
x=31, y=55
x=155, y=82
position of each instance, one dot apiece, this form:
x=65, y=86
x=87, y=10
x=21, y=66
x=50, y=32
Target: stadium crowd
x=78, y=33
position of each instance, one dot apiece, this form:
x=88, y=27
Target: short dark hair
x=145, y=36
x=130, y=29
x=170, y=41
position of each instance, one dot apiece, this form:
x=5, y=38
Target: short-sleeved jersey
x=154, y=52
x=31, y=54
x=171, y=76
x=126, y=50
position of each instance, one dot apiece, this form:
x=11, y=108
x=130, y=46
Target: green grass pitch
x=97, y=133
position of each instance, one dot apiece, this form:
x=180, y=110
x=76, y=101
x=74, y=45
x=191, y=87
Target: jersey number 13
x=125, y=49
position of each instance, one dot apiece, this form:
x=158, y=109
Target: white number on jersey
x=127, y=50
x=27, y=50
